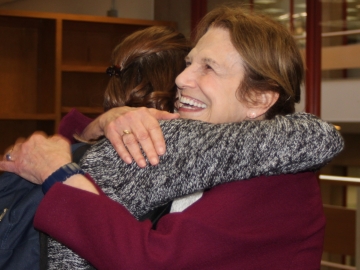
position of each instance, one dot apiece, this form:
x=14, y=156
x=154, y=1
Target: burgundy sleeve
x=265, y=223
x=73, y=122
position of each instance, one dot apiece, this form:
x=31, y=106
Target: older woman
x=211, y=233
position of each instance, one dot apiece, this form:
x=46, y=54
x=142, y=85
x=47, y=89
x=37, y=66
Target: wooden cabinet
x=50, y=63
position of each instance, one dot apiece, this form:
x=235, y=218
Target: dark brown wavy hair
x=149, y=61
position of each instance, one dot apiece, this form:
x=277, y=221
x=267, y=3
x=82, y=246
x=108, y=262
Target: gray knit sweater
x=201, y=155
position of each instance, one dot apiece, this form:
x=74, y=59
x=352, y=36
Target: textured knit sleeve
x=202, y=155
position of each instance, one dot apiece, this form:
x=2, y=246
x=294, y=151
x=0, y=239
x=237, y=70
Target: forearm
x=72, y=124
x=81, y=182
x=68, y=227
x=202, y=155
x=92, y=132
x=286, y=144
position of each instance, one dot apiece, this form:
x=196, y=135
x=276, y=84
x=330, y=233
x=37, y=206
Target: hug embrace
x=216, y=145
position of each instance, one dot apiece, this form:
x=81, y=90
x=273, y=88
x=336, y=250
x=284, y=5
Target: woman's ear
x=264, y=100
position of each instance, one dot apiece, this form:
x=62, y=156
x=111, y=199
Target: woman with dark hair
x=150, y=60
x=243, y=225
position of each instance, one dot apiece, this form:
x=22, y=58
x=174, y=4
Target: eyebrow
x=204, y=60
x=209, y=61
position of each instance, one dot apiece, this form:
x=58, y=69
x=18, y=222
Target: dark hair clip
x=113, y=71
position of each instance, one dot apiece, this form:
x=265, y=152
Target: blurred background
x=339, y=74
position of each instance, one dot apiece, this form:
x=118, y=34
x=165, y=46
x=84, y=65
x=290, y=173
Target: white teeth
x=191, y=102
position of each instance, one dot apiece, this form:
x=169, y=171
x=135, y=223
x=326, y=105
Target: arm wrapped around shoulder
x=285, y=144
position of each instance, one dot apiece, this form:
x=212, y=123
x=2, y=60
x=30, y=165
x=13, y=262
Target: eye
x=208, y=67
x=187, y=63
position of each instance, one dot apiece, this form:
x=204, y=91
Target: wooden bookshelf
x=50, y=63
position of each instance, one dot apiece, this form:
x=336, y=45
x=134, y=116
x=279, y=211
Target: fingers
x=151, y=137
x=145, y=134
x=37, y=157
x=117, y=142
x=7, y=155
x=128, y=146
x=133, y=147
x=7, y=164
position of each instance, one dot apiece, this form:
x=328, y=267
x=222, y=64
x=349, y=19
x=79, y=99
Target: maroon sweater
x=267, y=223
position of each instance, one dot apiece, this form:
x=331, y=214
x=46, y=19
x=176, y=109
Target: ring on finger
x=8, y=156
x=126, y=131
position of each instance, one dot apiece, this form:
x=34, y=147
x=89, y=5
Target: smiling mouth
x=189, y=103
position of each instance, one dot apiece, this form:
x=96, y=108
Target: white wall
x=340, y=100
x=137, y=9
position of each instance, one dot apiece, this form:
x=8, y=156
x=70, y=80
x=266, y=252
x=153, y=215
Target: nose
x=186, y=79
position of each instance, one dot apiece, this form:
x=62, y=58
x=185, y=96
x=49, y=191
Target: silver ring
x=8, y=157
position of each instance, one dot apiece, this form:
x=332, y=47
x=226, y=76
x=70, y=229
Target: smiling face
x=207, y=87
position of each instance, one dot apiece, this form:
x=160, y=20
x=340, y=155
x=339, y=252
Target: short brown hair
x=149, y=61
x=270, y=55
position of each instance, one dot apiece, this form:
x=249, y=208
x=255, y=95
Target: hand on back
x=130, y=130
x=37, y=157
